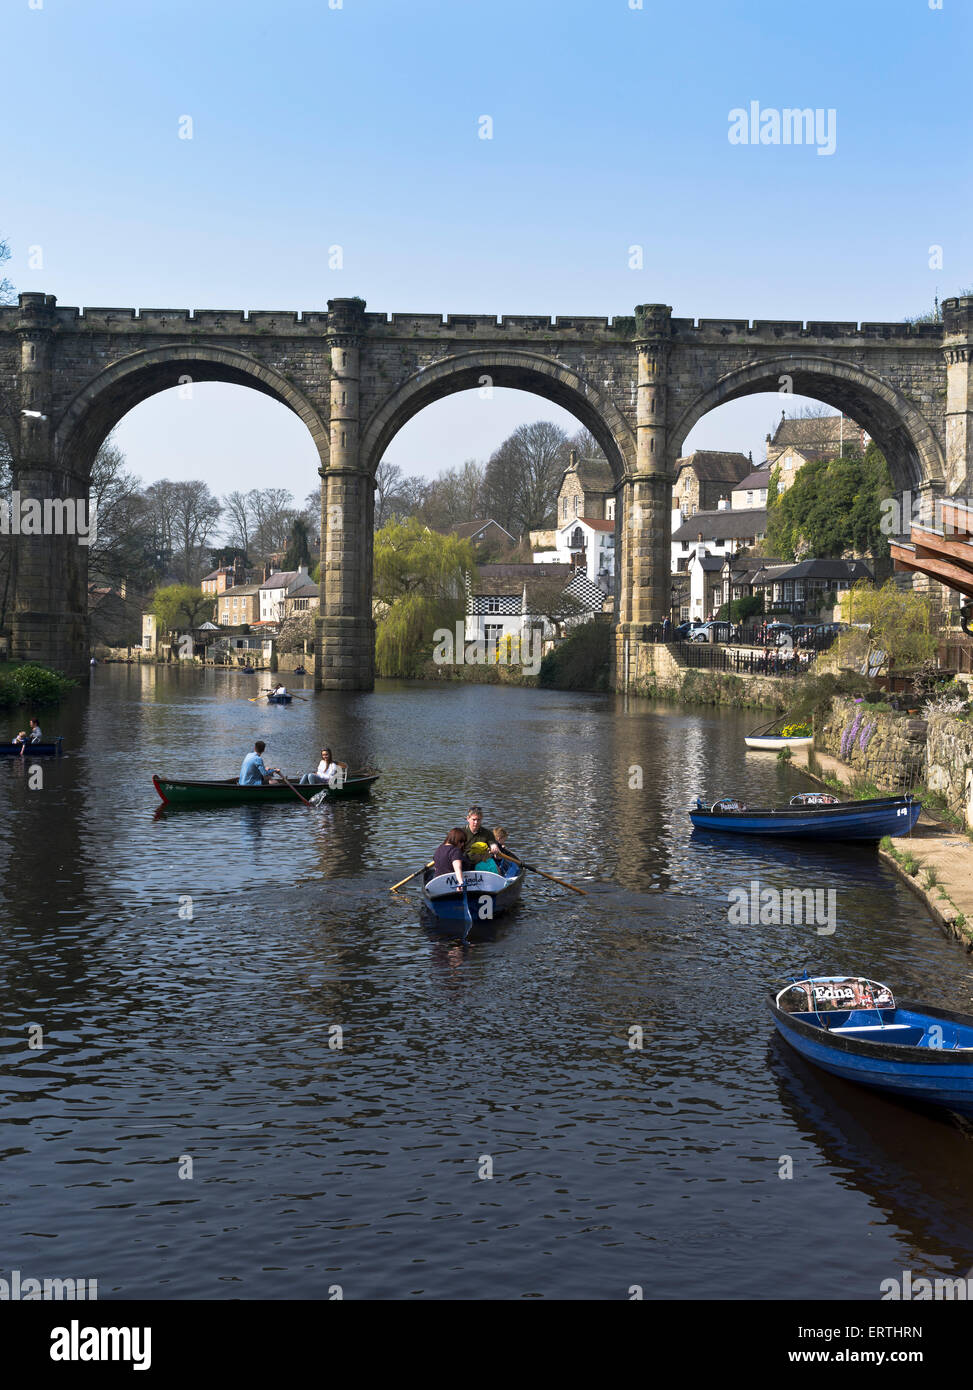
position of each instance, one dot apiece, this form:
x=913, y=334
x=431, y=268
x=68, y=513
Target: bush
x=9, y=692
x=36, y=685
x=581, y=661
x=813, y=694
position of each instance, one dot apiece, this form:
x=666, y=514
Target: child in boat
x=33, y=735
x=491, y=864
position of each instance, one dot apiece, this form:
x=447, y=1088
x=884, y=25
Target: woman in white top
x=328, y=773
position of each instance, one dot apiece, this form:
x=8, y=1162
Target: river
x=190, y=1127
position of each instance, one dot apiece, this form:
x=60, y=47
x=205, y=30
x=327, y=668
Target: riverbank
x=935, y=861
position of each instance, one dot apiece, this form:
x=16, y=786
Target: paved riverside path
x=940, y=848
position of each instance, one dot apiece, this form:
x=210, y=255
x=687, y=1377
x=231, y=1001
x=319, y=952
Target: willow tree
x=419, y=586
x=901, y=623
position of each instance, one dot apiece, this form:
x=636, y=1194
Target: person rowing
x=279, y=690
x=480, y=843
x=328, y=773
x=253, y=772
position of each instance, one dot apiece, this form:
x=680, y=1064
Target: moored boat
x=229, y=792
x=487, y=895
x=47, y=748
x=813, y=816
x=772, y=743
x=853, y=1028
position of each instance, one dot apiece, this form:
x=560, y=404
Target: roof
x=710, y=465
x=594, y=475
x=727, y=525
x=710, y=563
x=829, y=569
x=468, y=529
x=308, y=590
x=596, y=523
x=248, y=589
x=760, y=477
x=744, y=563
x=815, y=430
x=283, y=579
x=548, y=569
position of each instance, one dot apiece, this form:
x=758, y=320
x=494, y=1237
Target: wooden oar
x=412, y=876
x=467, y=912
x=524, y=865
x=294, y=790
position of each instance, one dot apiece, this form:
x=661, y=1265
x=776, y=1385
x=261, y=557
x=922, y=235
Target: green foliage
x=901, y=623
x=738, y=610
x=581, y=661
x=419, y=587
x=181, y=606
x=812, y=695
x=833, y=505
x=32, y=685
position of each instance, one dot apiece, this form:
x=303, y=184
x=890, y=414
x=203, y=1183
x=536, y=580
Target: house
x=304, y=599
x=740, y=572
x=486, y=533
x=798, y=441
x=274, y=591
x=705, y=586
x=505, y=600
x=751, y=491
x=150, y=634
x=587, y=544
x=722, y=533
x=587, y=489
x=221, y=579
x=704, y=479
x=793, y=588
x=239, y=605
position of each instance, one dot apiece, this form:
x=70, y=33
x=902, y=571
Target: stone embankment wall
x=949, y=761
x=888, y=748
x=655, y=672
x=894, y=751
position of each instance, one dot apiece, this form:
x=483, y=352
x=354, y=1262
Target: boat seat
x=870, y=1027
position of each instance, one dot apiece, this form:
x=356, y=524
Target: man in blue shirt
x=253, y=773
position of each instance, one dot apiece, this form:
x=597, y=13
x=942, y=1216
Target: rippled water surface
x=169, y=1036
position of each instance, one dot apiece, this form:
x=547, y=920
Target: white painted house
x=588, y=544
x=275, y=589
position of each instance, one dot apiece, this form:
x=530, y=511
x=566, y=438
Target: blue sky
x=358, y=126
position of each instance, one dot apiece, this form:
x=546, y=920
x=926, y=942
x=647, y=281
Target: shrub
x=36, y=685
x=581, y=661
x=9, y=691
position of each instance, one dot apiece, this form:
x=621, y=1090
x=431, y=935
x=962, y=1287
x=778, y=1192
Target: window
x=493, y=603
x=564, y=508
x=577, y=504
x=492, y=632
x=610, y=509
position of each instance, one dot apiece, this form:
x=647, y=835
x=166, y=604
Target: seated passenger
x=449, y=858
x=329, y=772
x=479, y=844
x=496, y=864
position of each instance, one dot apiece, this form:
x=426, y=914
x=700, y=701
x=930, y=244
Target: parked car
x=716, y=631
x=684, y=631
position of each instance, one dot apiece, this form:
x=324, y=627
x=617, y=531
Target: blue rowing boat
x=279, y=699
x=487, y=894
x=853, y=1028
x=812, y=816
x=47, y=748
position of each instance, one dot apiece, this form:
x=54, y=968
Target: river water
x=190, y=1128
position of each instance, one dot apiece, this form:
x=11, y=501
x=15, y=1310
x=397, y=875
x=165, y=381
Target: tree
x=124, y=549
x=901, y=623
x=8, y=295
x=833, y=506
x=419, y=587
x=522, y=477
x=179, y=606
x=550, y=599
x=298, y=550
x=195, y=513
x=238, y=509
x=296, y=631
x=272, y=516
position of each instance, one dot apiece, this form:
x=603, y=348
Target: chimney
x=572, y=458
x=723, y=505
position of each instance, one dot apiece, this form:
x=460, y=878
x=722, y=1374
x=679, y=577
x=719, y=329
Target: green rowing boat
x=230, y=793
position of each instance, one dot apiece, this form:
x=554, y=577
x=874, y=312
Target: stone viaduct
x=639, y=383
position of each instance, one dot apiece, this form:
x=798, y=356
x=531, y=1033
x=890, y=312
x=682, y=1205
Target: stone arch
x=100, y=404
x=907, y=440
x=521, y=371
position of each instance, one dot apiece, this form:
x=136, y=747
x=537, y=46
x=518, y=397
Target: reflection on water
x=190, y=972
